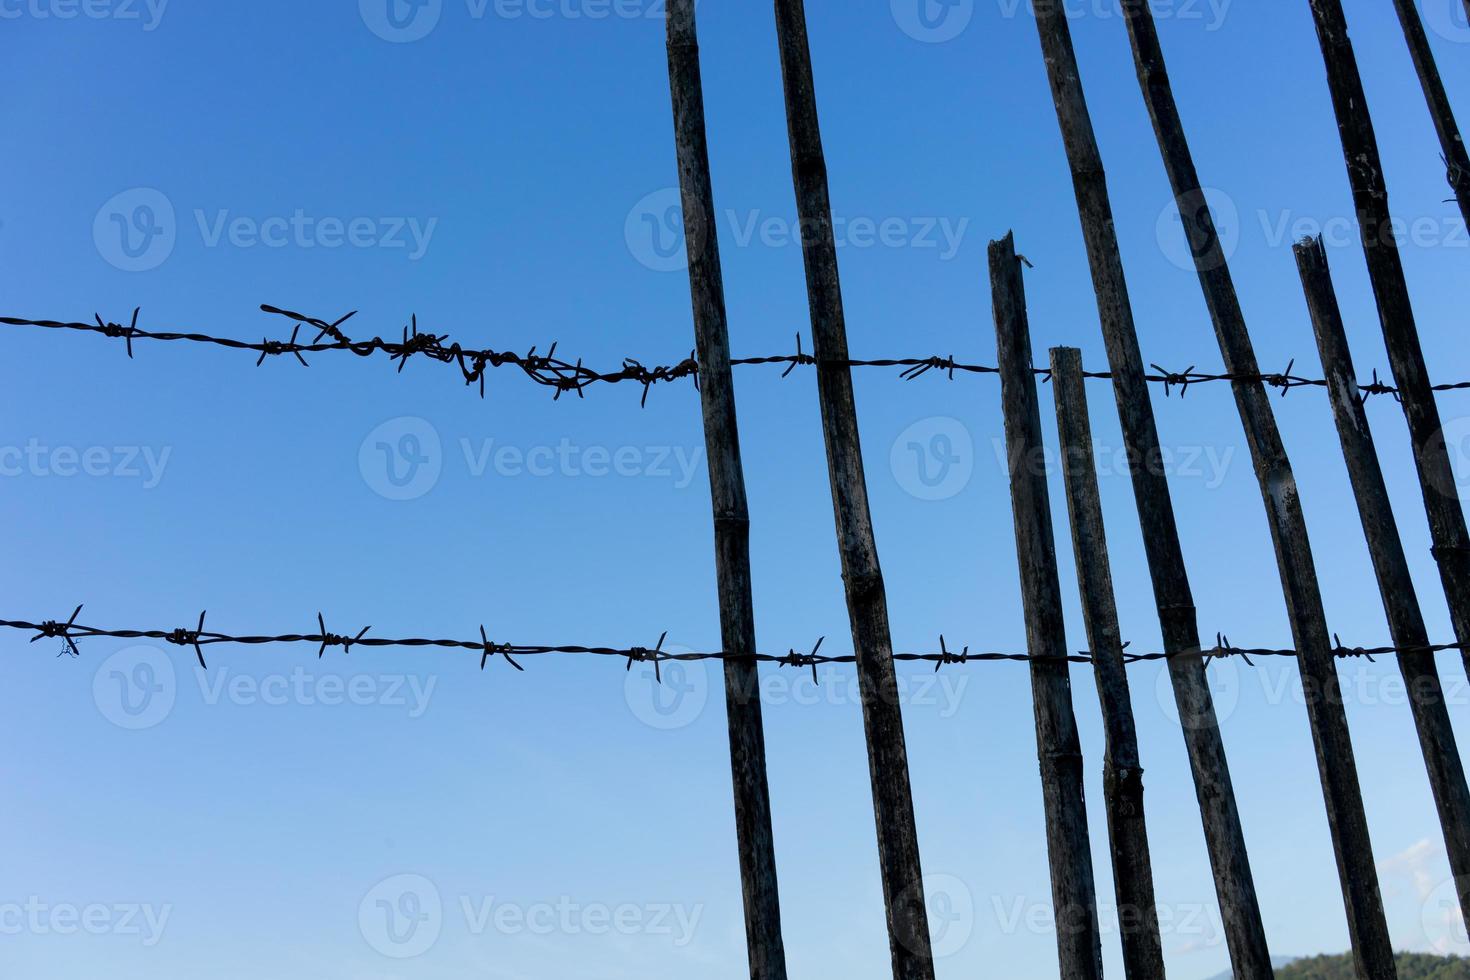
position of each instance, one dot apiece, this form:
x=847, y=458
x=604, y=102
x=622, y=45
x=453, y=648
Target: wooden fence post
x=1138, y=920
x=1235, y=889
x=1068, y=848
x=756, y=845
x=1396, y=313
x=1400, y=604
x=867, y=603
x=1346, y=818
x=1457, y=161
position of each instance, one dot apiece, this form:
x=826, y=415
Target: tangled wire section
x=563, y=376
x=70, y=631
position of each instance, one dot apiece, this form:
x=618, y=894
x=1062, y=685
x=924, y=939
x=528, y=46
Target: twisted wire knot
x=189, y=638
x=946, y=658
x=799, y=660
x=645, y=655
x=1175, y=379
x=51, y=629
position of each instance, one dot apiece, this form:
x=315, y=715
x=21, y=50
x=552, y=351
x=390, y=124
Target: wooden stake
x=1068, y=849
x=1405, y=621
x=1457, y=161
x=867, y=604
x=1396, y=314
x=753, y=834
x=1143, y=952
x=1229, y=862
x=1372, y=950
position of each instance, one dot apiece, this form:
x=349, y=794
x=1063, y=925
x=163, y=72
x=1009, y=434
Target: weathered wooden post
x=867, y=603
x=1138, y=919
x=731, y=516
x=1457, y=161
x=1235, y=888
x=1396, y=314
x=1069, y=854
x=1346, y=818
x=1400, y=603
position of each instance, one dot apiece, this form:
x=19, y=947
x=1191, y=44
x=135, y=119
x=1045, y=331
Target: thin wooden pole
x=1068, y=849
x=1372, y=950
x=867, y=603
x=1245, y=935
x=753, y=834
x=1457, y=160
x=1138, y=919
x=1396, y=314
x=1400, y=603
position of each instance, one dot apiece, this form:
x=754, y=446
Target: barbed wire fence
x=565, y=376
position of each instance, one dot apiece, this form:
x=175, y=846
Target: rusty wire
x=69, y=632
x=563, y=376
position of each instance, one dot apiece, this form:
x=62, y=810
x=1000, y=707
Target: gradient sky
x=503, y=169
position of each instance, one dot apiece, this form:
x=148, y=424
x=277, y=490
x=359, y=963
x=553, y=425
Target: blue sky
x=503, y=170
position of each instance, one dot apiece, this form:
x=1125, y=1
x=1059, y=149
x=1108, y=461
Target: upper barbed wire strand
x=563, y=376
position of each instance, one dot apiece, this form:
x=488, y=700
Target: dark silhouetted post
x=1068, y=849
x=867, y=604
x=1396, y=313
x=1234, y=887
x=1133, y=881
x=1457, y=161
x=1400, y=603
x=731, y=517
x=1372, y=950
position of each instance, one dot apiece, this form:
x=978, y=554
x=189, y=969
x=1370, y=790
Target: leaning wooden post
x=1336, y=767
x=1068, y=849
x=731, y=517
x=1245, y=935
x=1457, y=160
x=867, y=604
x=1143, y=951
x=1396, y=314
x=1400, y=604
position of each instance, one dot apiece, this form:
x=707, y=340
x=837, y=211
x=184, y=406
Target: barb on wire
x=489, y=650
x=189, y=638
x=563, y=376
x=70, y=632
x=799, y=660
x=51, y=628
x=946, y=658
x=644, y=655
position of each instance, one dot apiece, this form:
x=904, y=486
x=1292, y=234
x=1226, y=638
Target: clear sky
x=504, y=171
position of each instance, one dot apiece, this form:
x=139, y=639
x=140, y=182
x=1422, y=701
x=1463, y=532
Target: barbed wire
x=563, y=376
x=69, y=632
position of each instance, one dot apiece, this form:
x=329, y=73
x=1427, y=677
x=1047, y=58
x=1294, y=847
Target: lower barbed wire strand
x=70, y=632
